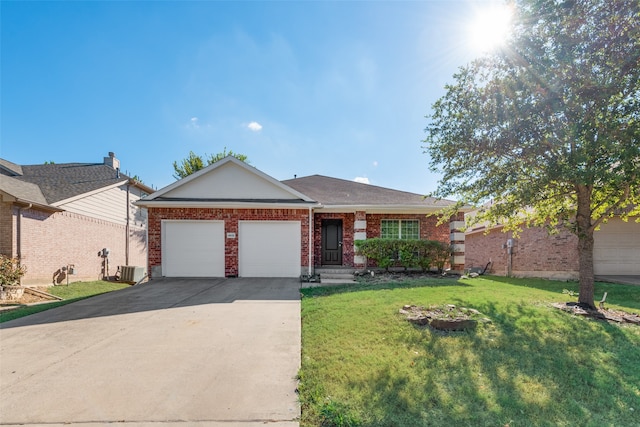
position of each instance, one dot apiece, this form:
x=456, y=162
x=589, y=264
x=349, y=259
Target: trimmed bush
x=423, y=254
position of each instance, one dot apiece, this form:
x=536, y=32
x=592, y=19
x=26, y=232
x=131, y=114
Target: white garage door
x=193, y=248
x=269, y=248
x=617, y=248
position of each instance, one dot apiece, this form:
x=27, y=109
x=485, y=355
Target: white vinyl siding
x=193, y=248
x=269, y=248
x=109, y=205
x=400, y=229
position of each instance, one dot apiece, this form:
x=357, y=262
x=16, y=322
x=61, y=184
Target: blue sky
x=331, y=88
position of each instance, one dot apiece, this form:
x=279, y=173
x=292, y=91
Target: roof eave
x=431, y=209
x=29, y=204
x=225, y=204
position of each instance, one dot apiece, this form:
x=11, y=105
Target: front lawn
x=532, y=365
x=73, y=292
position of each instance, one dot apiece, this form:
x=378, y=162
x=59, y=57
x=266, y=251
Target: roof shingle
x=340, y=192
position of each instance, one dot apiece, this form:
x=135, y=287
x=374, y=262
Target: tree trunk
x=584, y=230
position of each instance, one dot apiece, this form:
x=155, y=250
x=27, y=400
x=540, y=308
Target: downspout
x=19, y=235
x=127, y=228
x=310, y=233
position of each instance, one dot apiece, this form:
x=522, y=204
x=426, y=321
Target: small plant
x=335, y=414
x=570, y=292
x=10, y=271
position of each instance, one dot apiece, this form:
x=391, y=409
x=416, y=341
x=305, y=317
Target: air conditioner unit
x=131, y=273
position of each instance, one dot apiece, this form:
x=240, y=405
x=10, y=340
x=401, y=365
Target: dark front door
x=332, y=242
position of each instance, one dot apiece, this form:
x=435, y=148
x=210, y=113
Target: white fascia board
x=89, y=193
x=224, y=205
x=373, y=209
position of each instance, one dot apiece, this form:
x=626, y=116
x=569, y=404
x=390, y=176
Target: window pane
x=410, y=229
x=390, y=229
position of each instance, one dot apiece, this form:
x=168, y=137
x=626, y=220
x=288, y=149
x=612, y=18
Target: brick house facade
x=238, y=207
x=53, y=217
x=231, y=218
x=536, y=253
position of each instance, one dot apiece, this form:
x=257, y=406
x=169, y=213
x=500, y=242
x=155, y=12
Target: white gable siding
x=109, y=205
x=229, y=182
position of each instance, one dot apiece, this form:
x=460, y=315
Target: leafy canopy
x=194, y=162
x=554, y=113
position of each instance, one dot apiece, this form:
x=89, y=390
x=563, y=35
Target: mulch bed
x=609, y=315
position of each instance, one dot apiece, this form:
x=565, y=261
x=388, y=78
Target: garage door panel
x=193, y=249
x=269, y=248
x=617, y=248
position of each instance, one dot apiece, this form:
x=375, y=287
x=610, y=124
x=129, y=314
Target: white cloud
x=375, y=163
x=193, y=123
x=362, y=179
x=255, y=126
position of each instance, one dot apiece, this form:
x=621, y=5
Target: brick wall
x=6, y=229
x=52, y=241
x=428, y=230
x=231, y=217
x=347, y=236
x=535, y=253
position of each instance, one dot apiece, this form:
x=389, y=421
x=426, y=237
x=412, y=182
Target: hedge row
x=423, y=254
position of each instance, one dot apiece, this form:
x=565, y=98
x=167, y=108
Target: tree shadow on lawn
x=530, y=366
x=378, y=286
x=622, y=295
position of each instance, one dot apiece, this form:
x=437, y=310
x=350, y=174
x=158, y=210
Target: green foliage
x=194, y=162
x=548, y=126
x=407, y=253
x=335, y=414
x=531, y=365
x=10, y=271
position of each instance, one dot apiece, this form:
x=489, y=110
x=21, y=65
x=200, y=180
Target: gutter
x=19, y=235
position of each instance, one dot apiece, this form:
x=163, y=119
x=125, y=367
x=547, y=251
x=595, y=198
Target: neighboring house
x=56, y=216
x=230, y=219
x=536, y=253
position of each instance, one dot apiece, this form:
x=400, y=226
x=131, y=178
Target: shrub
x=10, y=271
x=423, y=254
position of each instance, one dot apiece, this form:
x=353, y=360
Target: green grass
x=533, y=365
x=73, y=292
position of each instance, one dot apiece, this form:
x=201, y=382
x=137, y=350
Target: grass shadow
x=617, y=294
x=376, y=286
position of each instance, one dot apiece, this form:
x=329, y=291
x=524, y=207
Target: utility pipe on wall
x=19, y=234
x=310, y=233
x=127, y=227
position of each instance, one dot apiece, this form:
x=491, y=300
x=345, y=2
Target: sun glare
x=490, y=28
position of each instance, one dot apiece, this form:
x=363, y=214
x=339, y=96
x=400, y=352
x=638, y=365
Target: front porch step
x=335, y=275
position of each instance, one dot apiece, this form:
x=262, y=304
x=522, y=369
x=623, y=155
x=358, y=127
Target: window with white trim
x=400, y=229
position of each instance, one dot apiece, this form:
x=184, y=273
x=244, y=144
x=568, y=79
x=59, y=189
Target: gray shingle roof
x=63, y=181
x=9, y=168
x=21, y=190
x=340, y=192
x=48, y=184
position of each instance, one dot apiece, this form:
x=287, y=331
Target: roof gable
x=228, y=180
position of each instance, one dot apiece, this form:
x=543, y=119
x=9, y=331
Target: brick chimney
x=112, y=161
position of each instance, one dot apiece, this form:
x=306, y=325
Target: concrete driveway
x=215, y=352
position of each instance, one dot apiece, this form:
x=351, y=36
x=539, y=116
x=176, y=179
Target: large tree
x=194, y=162
x=548, y=126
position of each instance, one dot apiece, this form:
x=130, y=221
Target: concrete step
x=335, y=275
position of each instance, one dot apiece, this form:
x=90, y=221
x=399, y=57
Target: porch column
x=359, y=233
x=457, y=237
